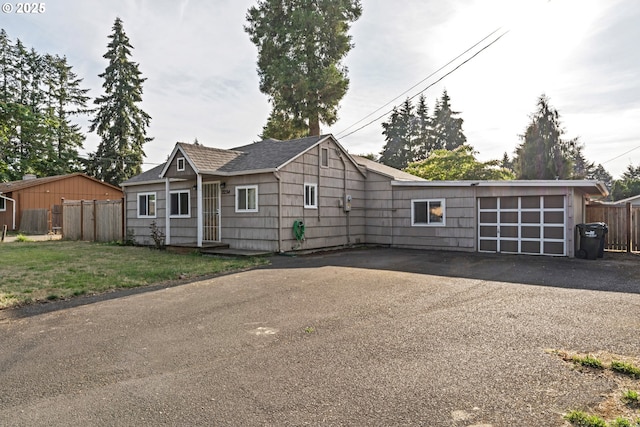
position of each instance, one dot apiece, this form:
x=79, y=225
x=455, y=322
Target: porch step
x=221, y=251
x=187, y=248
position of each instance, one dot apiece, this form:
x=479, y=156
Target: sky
x=202, y=82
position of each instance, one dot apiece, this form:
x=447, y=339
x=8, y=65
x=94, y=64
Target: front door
x=211, y=211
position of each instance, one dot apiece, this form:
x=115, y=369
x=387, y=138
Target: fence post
x=628, y=215
x=95, y=222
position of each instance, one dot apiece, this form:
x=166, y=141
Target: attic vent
x=28, y=177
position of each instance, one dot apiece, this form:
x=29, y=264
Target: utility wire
x=419, y=83
x=623, y=154
x=431, y=85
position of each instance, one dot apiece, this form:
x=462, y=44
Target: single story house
x=30, y=204
x=310, y=193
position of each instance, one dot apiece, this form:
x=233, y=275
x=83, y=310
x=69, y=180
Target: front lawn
x=38, y=271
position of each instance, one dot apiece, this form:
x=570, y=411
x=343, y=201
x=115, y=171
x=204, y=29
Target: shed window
x=146, y=205
x=3, y=206
x=427, y=212
x=180, y=204
x=180, y=162
x=247, y=198
x=311, y=196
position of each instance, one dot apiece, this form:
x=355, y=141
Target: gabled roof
x=385, y=170
x=8, y=187
x=268, y=155
x=148, y=177
x=627, y=200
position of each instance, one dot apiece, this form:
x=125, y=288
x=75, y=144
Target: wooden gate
x=623, y=223
x=93, y=220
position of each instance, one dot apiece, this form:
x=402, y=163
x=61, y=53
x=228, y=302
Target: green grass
x=582, y=419
x=589, y=361
x=631, y=397
x=625, y=368
x=39, y=271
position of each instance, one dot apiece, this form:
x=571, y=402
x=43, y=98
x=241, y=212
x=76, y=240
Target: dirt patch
x=613, y=404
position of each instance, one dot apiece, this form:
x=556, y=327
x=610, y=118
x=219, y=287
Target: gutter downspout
x=200, y=209
x=277, y=175
x=14, y=209
x=344, y=197
x=167, y=212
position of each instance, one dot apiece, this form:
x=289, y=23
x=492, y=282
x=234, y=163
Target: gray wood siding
x=140, y=226
x=328, y=225
x=379, y=209
x=459, y=231
x=250, y=230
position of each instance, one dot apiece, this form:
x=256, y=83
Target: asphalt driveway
x=366, y=337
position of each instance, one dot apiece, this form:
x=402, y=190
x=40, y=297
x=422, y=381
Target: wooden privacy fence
x=623, y=223
x=93, y=220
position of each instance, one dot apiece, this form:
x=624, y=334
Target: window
x=247, y=198
x=324, y=157
x=311, y=196
x=180, y=204
x=427, y=212
x=3, y=206
x=146, y=205
x=180, y=162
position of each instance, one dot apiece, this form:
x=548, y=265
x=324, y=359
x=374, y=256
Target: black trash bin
x=592, y=236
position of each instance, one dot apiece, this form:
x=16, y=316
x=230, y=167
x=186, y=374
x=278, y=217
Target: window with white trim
x=311, y=196
x=179, y=201
x=247, y=198
x=324, y=157
x=428, y=212
x=180, y=164
x=146, y=205
x=3, y=204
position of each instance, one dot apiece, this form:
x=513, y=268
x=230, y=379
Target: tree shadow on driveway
x=616, y=272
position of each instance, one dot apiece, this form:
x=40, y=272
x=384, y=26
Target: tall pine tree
x=119, y=121
x=398, y=133
x=446, y=129
x=544, y=154
x=301, y=44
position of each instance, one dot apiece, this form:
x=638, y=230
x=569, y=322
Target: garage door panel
x=488, y=231
x=531, y=232
x=554, y=217
x=554, y=233
x=509, y=231
x=530, y=217
x=510, y=246
x=554, y=248
x=530, y=247
x=489, y=245
x=530, y=202
x=509, y=217
x=554, y=202
x=489, y=217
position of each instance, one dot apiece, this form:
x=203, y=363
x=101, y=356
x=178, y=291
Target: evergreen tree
x=398, y=133
x=582, y=168
x=446, y=129
x=543, y=153
x=600, y=174
x=420, y=148
x=628, y=186
x=65, y=98
x=506, y=162
x=301, y=44
x=284, y=127
x=119, y=121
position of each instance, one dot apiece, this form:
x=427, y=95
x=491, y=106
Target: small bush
x=625, y=368
x=589, y=361
x=582, y=419
x=22, y=238
x=631, y=397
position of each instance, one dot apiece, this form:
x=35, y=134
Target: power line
x=420, y=82
x=429, y=86
x=623, y=154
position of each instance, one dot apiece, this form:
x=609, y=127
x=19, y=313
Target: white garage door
x=522, y=225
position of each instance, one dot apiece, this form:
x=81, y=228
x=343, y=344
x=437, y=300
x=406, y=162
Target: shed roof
x=588, y=186
x=385, y=170
x=8, y=187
